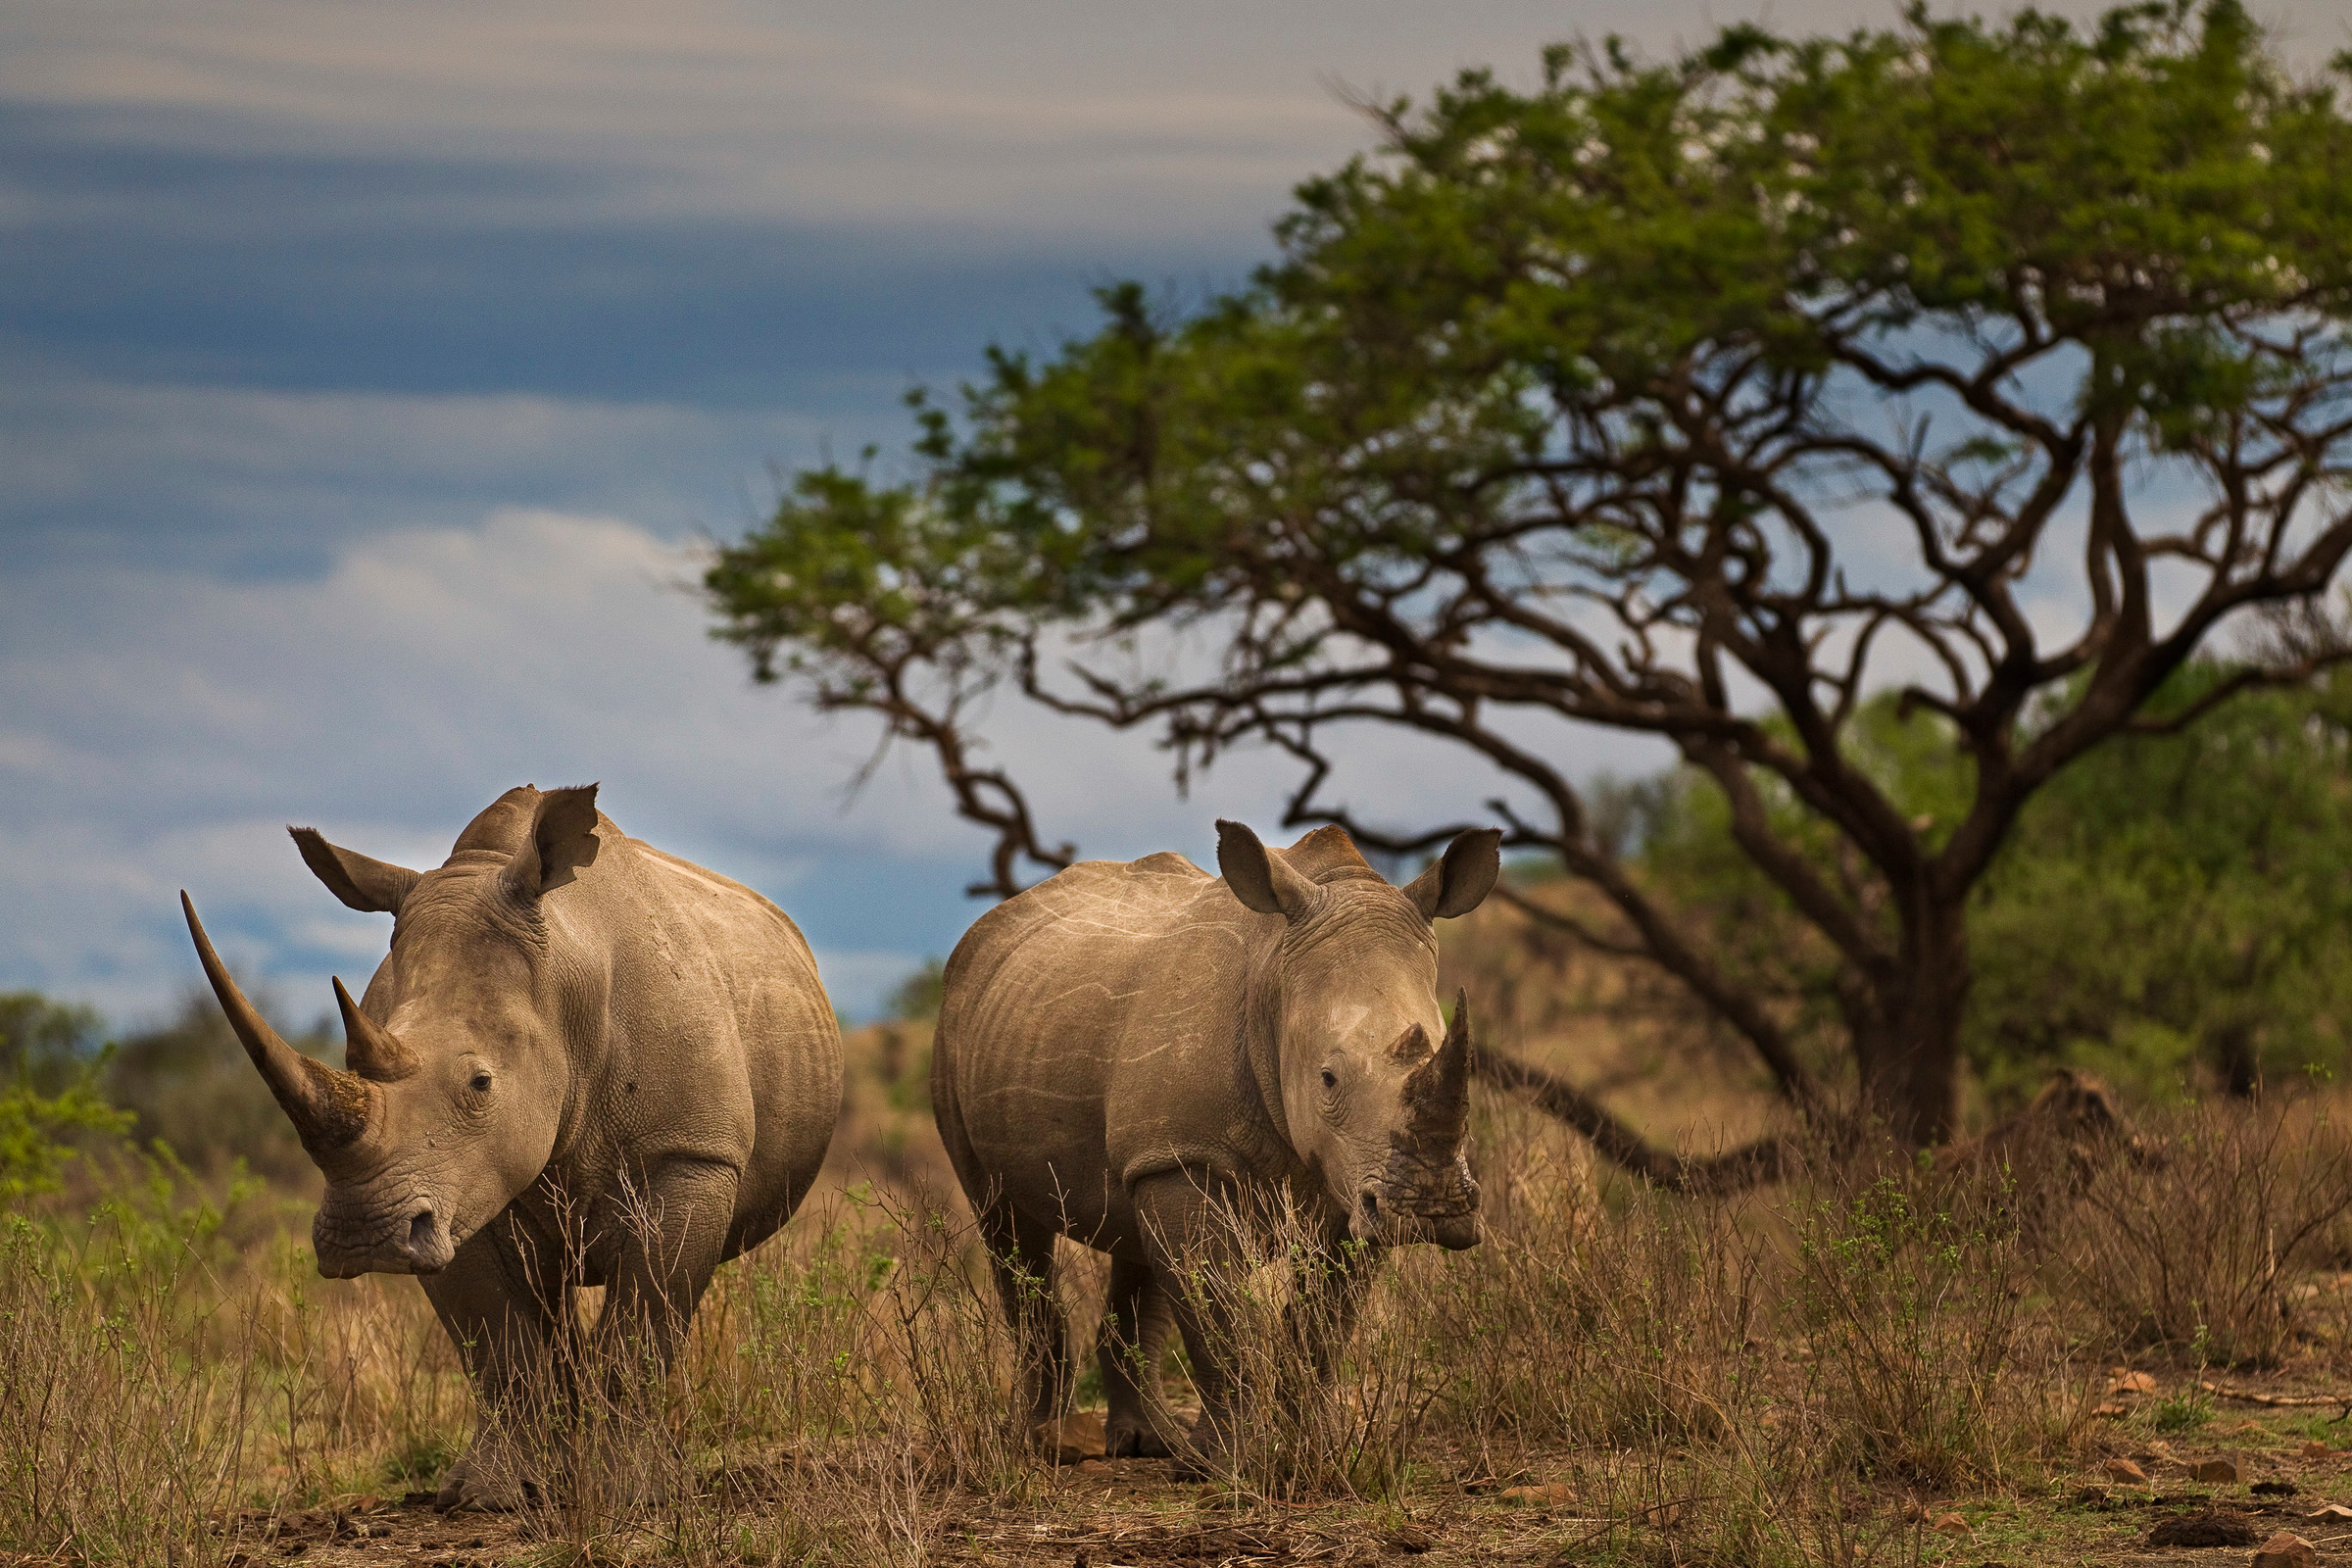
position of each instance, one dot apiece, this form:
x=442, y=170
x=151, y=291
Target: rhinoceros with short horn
x=583, y=1063
x=1124, y=1046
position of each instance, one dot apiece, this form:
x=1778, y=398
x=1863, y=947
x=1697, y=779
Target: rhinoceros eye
x=481, y=1082
x=1331, y=1080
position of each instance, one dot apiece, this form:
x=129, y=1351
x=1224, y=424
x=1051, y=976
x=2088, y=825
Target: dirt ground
x=1102, y=1514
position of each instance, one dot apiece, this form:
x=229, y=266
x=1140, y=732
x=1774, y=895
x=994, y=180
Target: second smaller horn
x=370, y=1048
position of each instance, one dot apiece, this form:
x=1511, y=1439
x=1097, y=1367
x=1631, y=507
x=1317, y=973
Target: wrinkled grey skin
x=584, y=1062
x=1124, y=1046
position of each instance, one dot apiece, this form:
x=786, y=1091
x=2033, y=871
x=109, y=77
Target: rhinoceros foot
x=1132, y=1438
x=490, y=1479
x=1204, y=1454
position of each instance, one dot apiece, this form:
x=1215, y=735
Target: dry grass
x=1815, y=1375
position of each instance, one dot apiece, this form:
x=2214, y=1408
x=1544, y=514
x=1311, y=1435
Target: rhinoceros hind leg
x=1136, y=1319
x=1020, y=1253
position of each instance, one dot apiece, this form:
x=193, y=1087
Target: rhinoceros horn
x=1436, y=1094
x=328, y=1109
x=374, y=1050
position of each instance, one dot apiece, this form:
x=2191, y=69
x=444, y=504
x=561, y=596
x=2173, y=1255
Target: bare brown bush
x=2195, y=1248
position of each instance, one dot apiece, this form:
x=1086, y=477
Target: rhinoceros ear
x=1261, y=881
x=562, y=840
x=1457, y=884
x=362, y=883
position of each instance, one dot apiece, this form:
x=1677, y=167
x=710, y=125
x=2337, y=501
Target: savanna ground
x=1884, y=1361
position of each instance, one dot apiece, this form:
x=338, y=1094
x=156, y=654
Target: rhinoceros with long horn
x=584, y=1062
x=1125, y=1047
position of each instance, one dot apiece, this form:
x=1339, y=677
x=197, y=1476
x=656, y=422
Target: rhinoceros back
x=1091, y=1034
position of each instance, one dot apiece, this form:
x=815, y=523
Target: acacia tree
x=2000, y=364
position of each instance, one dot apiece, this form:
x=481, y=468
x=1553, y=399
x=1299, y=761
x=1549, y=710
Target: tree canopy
x=1999, y=366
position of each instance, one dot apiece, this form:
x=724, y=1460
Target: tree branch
x=1756, y=1164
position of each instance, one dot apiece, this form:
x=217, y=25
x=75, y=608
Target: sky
x=372, y=375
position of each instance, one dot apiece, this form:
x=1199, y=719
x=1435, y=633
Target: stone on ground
x=1072, y=1440
x=2286, y=1551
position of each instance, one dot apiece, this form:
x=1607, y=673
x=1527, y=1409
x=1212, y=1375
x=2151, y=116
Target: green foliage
x=190, y=1085
x=2177, y=901
x=45, y=1046
x=47, y=1091
x=2173, y=909
x=1763, y=196
x=34, y=1130
x=916, y=998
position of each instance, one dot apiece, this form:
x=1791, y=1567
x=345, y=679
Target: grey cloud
x=158, y=728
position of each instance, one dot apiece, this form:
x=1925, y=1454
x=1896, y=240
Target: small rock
x=2316, y=1449
x=2110, y=1411
x=1951, y=1524
x=2333, y=1512
x=2134, y=1383
x=2221, y=1472
x=1549, y=1496
x=1094, y=1467
x=1073, y=1439
x=2126, y=1472
x=2208, y=1529
x=2285, y=1549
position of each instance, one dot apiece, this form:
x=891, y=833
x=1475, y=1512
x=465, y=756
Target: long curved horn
x=1437, y=1092
x=328, y=1109
x=374, y=1050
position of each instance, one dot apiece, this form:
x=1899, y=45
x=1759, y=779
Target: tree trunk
x=2241, y=1068
x=1907, y=1031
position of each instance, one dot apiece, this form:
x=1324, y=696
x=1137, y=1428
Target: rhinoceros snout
x=426, y=1247
x=420, y=1242
x=1447, y=1216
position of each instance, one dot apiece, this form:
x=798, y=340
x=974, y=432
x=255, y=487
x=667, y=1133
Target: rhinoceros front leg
x=1184, y=1232
x=669, y=1238
x=1328, y=1290
x=504, y=1299
x=663, y=1241
x=1136, y=1320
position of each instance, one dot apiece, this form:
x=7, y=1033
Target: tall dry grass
x=1752, y=1382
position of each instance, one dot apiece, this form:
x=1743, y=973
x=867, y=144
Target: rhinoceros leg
x=504, y=1301
x=663, y=1243
x=1330, y=1285
x=1020, y=1253
x=1136, y=1319
x=671, y=1237
x=1182, y=1231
